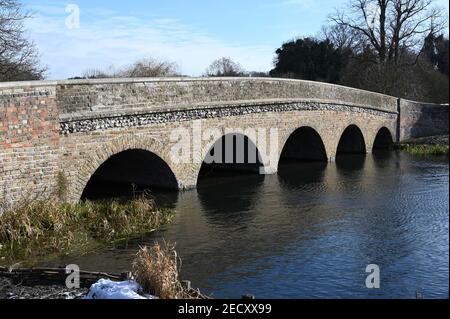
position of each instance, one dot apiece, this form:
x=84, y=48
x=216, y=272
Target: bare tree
x=149, y=67
x=18, y=56
x=391, y=27
x=95, y=74
x=224, y=67
x=343, y=37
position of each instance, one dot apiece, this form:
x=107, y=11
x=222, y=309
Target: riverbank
x=155, y=275
x=38, y=230
x=426, y=146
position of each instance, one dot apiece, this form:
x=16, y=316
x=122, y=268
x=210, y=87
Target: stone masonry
x=422, y=119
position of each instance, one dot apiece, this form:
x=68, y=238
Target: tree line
x=395, y=47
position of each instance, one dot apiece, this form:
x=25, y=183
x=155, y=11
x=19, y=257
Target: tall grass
x=36, y=228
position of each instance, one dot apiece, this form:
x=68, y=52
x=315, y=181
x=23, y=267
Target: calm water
x=310, y=231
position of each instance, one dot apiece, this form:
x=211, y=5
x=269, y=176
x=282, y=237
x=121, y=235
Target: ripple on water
x=311, y=230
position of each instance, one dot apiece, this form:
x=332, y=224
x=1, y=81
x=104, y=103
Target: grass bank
x=45, y=228
x=424, y=149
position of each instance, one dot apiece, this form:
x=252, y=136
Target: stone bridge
x=81, y=132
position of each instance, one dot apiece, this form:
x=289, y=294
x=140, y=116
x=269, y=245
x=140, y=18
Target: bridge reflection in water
x=310, y=230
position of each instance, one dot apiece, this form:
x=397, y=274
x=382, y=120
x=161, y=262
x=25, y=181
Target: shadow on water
x=229, y=180
x=298, y=174
x=384, y=158
x=350, y=163
x=229, y=197
x=103, y=190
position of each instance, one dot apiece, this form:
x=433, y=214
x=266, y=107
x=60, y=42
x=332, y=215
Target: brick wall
x=29, y=141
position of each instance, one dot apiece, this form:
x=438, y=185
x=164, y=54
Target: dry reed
x=156, y=269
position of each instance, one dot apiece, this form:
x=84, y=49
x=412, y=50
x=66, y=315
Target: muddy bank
x=11, y=290
x=49, y=283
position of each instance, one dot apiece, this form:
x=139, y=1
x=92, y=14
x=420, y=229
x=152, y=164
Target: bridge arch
x=118, y=156
x=234, y=151
x=383, y=139
x=304, y=144
x=352, y=141
x=127, y=171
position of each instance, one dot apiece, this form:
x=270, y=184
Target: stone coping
x=29, y=84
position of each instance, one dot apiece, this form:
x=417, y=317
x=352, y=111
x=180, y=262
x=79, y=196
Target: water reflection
x=310, y=231
x=230, y=200
x=304, y=175
x=351, y=163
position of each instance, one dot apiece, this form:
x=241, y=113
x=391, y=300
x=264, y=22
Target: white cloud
x=107, y=38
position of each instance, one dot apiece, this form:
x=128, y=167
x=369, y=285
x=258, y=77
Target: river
x=309, y=231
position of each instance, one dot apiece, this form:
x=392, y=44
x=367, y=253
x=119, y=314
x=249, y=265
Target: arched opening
x=305, y=144
x=233, y=154
x=128, y=173
x=383, y=140
x=352, y=142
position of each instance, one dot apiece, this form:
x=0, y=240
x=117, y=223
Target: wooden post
x=186, y=285
x=125, y=276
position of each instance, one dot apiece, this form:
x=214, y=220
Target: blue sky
x=192, y=33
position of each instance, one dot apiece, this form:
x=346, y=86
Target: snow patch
x=107, y=289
